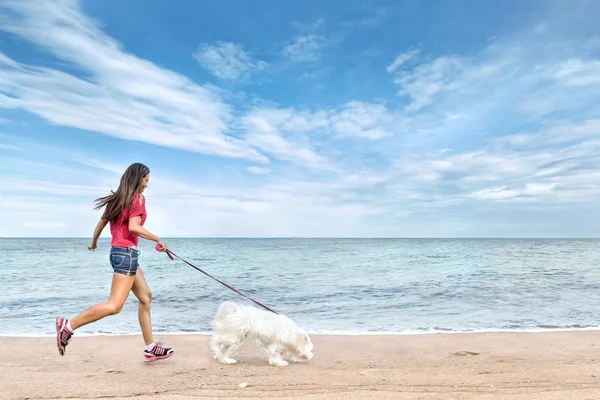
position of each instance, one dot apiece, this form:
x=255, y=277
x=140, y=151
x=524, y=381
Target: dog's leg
x=222, y=347
x=227, y=350
x=226, y=359
x=215, y=345
x=275, y=357
x=289, y=355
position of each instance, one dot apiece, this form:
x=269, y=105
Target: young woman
x=126, y=212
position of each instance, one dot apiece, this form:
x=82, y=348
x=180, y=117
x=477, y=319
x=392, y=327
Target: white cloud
x=288, y=208
x=536, y=72
x=556, y=165
x=370, y=121
x=428, y=187
x=102, y=165
x=401, y=59
x=579, y=72
x=377, y=18
x=227, y=60
x=509, y=130
x=504, y=193
x=423, y=83
x=558, y=133
x=258, y=170
x=263, y=132
x=20, y=185
x=124, y=96
x=306, y=46
x=9, y=147
x=287, y=133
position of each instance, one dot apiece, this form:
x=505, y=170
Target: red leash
x=171, y=254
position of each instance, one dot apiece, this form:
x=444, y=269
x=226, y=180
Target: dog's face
x=305, y=347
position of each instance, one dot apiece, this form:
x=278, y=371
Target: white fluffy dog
x=277, y=334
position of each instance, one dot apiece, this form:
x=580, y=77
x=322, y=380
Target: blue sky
x=375, y=119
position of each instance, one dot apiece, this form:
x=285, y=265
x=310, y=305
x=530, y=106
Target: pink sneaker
x=157, y=353
x=63, y=335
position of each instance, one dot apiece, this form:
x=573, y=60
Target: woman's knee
x=113, y=308
x=146, y=298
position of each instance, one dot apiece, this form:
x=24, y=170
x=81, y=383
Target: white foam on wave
x=323, y=332
x=98, y=334
x=443, y=331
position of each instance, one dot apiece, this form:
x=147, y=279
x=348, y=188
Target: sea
x=328, y=286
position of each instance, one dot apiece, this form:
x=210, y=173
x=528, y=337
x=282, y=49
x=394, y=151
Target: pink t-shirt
x=121, y=236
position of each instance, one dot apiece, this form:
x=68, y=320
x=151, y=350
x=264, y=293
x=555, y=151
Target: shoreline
x=326, y=333
x=499, y=365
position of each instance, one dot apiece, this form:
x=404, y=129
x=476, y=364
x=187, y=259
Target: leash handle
x=158, y=247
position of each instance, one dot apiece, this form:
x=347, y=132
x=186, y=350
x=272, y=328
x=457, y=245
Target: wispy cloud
x=532, y=72
x=258, y=170
x=505, y=193
x=263, y=129
x=125, y=96
x=401, y=59
x=423, y=83
x=228, y=61
x=307, y=45
x=509, y=129
x=556, y=166
x=370, y=121
x=279, y=207
x=376, y=18
x=19, y=186
x=304, y=48
x=522, y=112
x=9, y=147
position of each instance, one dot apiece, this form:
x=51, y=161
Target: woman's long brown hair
x=122, y=198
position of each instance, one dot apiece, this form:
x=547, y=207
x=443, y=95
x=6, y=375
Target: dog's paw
x=279, y=363
x=229, y=361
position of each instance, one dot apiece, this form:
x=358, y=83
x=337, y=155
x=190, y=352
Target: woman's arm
x=139, y=230
x=97, y=232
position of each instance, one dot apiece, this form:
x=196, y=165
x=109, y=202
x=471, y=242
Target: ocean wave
x=423, y=331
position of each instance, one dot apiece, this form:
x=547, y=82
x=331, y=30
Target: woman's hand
x=97, y=231
x=163, y=247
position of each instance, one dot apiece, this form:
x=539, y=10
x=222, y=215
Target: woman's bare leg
x=121, y=286
x=141, y=290
x=154, y=351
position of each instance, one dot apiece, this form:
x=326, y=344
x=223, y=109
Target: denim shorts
x=124, y=260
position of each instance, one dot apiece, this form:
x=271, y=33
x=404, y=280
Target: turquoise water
x=326, y=285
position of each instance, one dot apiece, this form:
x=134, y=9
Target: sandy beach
x=553, y=365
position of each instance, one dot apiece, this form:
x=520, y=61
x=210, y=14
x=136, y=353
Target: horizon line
x=323, y=237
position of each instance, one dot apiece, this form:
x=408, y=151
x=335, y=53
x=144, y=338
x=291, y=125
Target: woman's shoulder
x=138, y=199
